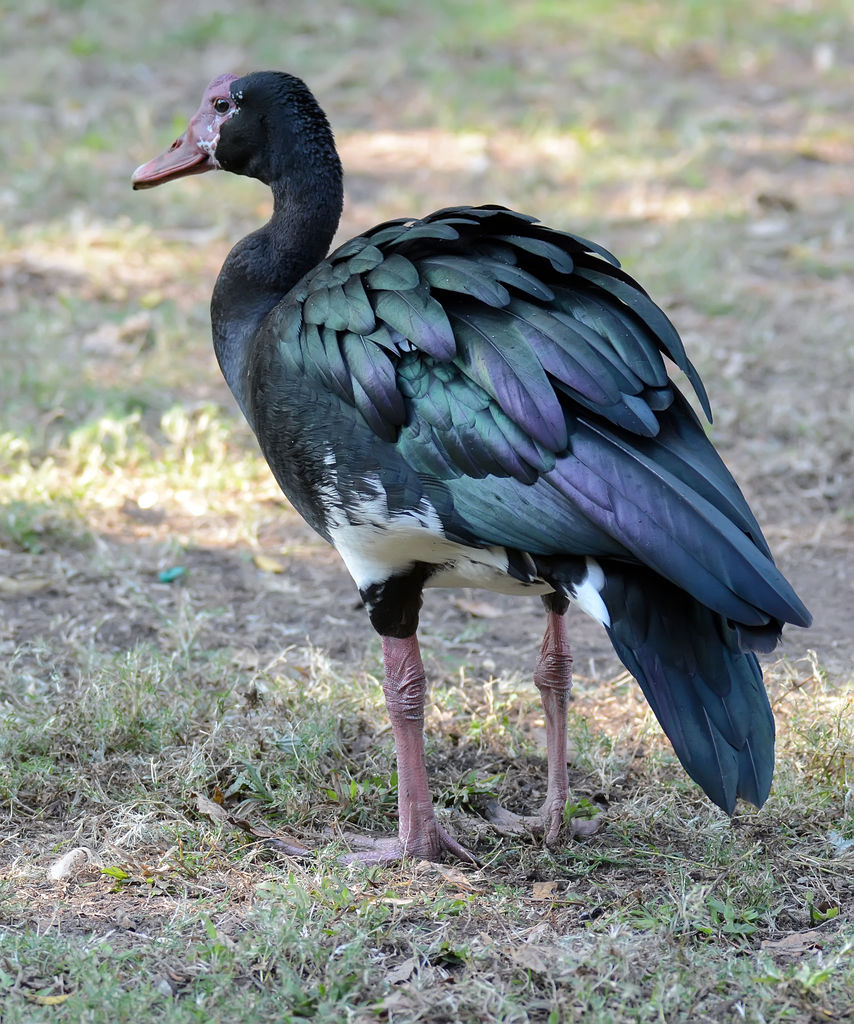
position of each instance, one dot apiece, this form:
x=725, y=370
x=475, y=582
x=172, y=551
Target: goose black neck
x=304, y=174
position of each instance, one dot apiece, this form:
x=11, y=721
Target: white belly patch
x=377, y=544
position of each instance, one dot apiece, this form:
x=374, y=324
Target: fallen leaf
x=544, y=891
x=49, y=1000
x=533, y=935
x=275, y=840
x=135, y=325
x=267, y=564
x=839, y=842
x=449, y=873
x=18, y=585
x=403, y=972
x=795, y=943
x=776, y=201
x=527, y=956
x=210, y=808
x=116, y=872
x=397, y=1001
x=163, y=986
x=287, y=846
x=455, y=876
x=148, y=499
x=479, y=609
x=245, y=659
x=150, y=299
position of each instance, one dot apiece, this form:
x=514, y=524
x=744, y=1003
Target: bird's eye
x=221, y=106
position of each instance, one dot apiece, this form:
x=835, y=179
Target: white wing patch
x=377, y=544
x=588, y=593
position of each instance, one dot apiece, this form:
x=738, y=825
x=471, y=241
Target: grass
x=670, y=911
x=186, y=684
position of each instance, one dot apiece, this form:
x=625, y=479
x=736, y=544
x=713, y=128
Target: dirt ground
x=314, y=600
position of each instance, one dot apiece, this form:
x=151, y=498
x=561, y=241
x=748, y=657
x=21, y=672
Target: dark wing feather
x=512, y=374
x=584, y=367
x=633, y=346
x=559, y=259
x=418, y=318
x=315, y=308
x=469, y=277
x=670, y=526
x=322, y=359
x=360, y=313
x=629, y=291
x=705, y=691
x=396, y=273
x=465, y=425
x=521, y=280
x=376, y=392
x=430, y=230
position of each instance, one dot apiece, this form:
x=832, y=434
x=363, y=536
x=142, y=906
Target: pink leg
x=419, y=833
x=553, y=678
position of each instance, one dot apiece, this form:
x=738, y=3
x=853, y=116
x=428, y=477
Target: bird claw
x=433, y=844
x=547, y=822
